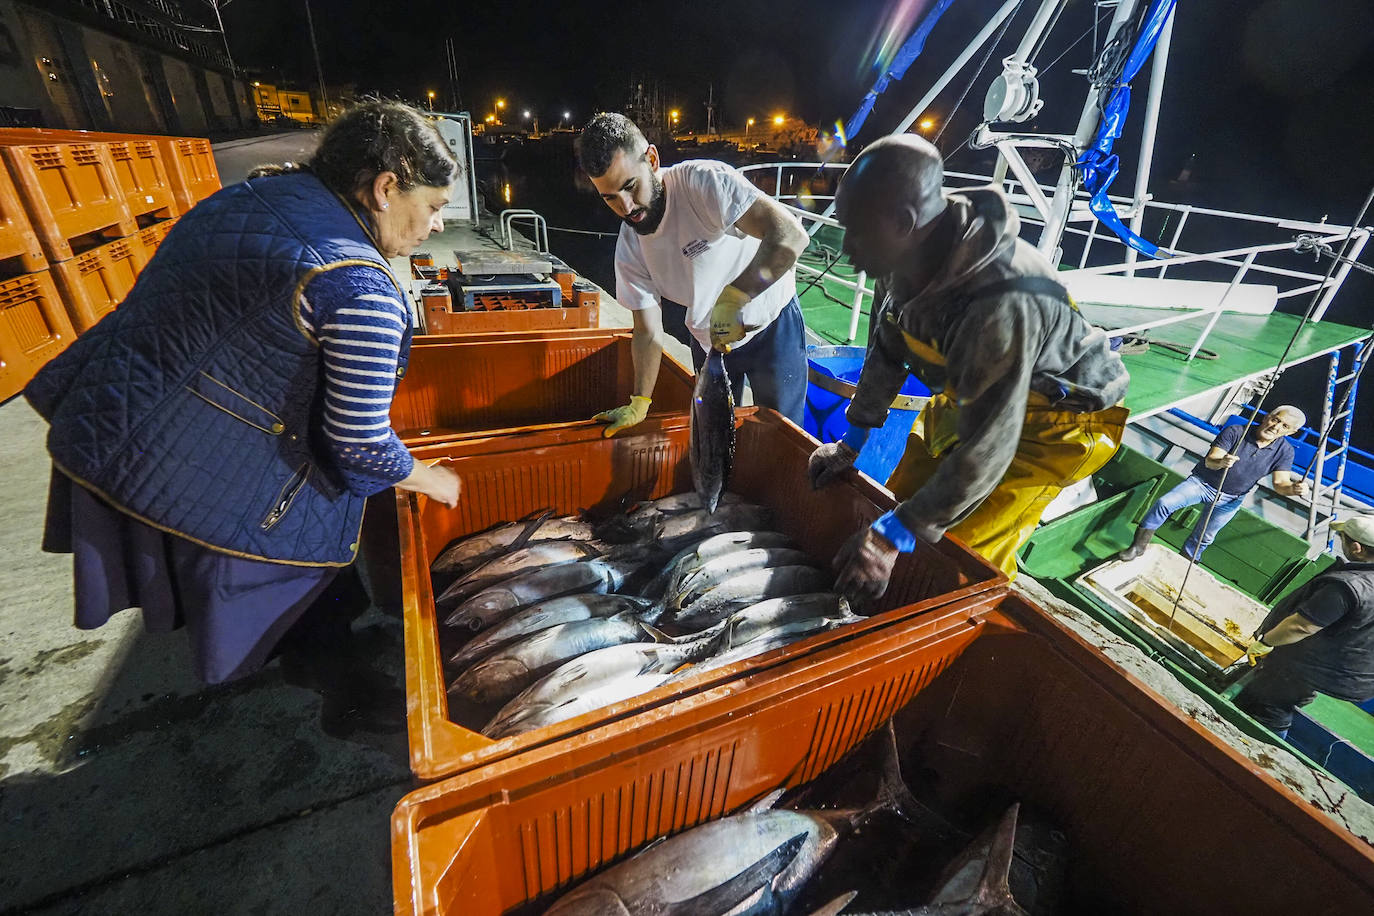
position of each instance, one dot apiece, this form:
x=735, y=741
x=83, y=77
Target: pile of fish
x=759, y=861
x=547, y=618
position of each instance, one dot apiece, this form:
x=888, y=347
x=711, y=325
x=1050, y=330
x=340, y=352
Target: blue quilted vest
x=196, y=406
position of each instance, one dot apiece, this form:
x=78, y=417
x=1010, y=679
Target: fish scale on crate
x=548, y=618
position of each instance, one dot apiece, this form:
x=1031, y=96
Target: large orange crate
x=95, y=282
x=191, y=169
x=152, y=236
x=69, y=190
x=33, y=329
x=465, y=384
x=443, y=321
x=999, y=705
x=510, y=476
x=138, y=165
x=17, y=239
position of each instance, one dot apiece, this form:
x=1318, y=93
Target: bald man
x=1027, y=388
x=1232, y=467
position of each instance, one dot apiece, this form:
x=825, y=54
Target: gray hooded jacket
x=991, y=352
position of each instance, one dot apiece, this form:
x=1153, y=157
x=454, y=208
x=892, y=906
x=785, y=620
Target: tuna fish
x=743, y=590
x=768, y=616
x=693, y=556
x=547, y=614
x=509, y=670
x=744, y=865
x=468, y=552
x=715, y=571
x=712, y=443
x=497, y=603
x=727, y=518
x=533, y=556
x=976, y=882
x=589, y=675
x=532, y=717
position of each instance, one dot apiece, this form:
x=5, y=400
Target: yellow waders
x=1057, y=448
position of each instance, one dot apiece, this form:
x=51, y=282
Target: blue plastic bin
x=832, y=373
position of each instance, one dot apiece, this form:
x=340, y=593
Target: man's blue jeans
x=774, y=362
x=1189, y=493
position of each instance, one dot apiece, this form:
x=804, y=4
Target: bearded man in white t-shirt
x=699, y=234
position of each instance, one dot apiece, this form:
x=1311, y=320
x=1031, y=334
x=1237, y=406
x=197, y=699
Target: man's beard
x=653, y=213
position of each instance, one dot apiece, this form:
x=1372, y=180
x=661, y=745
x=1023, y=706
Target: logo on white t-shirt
x=694, y=248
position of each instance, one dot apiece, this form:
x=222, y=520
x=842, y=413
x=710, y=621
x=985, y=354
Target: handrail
x=541, y=228
x=1241, y=261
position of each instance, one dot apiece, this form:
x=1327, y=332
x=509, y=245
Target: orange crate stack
x=70, y=193
x=143, y=177
x=94, y=282
x=191, y=169
x=994, y=701
x=506, y=477
x=152, y=236
x=33, y=329
x=17, y=239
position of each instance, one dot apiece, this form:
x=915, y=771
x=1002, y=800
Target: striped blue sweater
x=358, y=320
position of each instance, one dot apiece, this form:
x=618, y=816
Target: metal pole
x=1354, y=255
x=1068, y=178
x=856, y=307
x=319, y=71
x=1037, y=28
x=1147, y=137
x=215, y=5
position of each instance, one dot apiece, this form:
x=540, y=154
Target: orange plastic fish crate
x=1002, y=701
x=191, y=169
x=69, y=191
x=143, y=177
x=152, y=236
x=17, y=239
x=483, y=383
x=95, y=282
x=440, y=320
x=508, y=477
x=33, y=329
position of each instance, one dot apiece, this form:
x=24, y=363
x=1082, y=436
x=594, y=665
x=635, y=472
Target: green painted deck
x=1250, y=345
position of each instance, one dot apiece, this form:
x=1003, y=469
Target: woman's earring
x=385, y=204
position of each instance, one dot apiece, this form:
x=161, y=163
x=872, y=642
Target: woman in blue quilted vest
x=215, y=438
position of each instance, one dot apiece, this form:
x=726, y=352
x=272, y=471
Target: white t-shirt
x=696, y=250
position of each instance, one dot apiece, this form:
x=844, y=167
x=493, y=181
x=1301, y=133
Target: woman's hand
x=433, y=480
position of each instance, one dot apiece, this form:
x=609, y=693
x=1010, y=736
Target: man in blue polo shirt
x=1243, y=462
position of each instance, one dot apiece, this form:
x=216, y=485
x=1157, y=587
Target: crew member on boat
x=1319, y=639
x=698, y=233
x=1232, y=467
x=1028, y=391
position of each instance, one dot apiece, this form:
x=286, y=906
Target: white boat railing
x=1221, y=247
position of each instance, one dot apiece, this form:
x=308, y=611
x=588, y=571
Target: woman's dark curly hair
x=374, y=137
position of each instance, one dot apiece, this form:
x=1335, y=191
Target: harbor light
x=927, y=123
x=777, y=120
x=431, y=99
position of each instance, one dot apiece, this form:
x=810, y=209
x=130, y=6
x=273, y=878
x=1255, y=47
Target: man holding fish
x=698, y=233
x=1028, y=392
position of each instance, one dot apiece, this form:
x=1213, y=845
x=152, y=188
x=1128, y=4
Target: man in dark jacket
x=1027, y=388
x=1319, y=639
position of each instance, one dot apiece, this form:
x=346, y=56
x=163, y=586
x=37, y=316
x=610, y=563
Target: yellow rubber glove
x=618, y=418
x=1257, y=651
x=726, y=326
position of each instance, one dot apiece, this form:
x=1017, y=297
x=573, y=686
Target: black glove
x=865, y=565
x=828, y=462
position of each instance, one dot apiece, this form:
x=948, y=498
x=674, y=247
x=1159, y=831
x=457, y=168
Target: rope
x=604, y=235
x=1255, y=411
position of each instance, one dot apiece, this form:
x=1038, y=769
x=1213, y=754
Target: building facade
x=127, y=66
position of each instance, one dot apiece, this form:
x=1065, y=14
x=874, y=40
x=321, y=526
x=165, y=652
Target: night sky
x=1266, y=103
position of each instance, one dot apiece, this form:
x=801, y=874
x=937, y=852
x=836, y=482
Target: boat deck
x=1160, y=379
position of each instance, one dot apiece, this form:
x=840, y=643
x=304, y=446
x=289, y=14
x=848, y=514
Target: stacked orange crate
x=95, y=281
x=33, y=325
x=191, y=169
x=152, y=236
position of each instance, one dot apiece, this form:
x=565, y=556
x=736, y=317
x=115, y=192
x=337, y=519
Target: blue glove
x=856, y=437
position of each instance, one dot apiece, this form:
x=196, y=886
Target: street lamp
x=431, y=100
x=567, y=116
x=748, y=124
x=927, y=123
x=778, y=120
